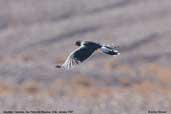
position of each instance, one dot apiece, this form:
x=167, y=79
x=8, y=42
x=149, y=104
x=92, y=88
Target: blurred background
x=35, y=35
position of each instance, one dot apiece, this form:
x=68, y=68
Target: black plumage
x=85, y=50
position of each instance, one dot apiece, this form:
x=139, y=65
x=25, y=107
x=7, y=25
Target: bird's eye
x=78, y=43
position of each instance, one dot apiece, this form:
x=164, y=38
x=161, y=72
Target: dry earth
x=35, y=35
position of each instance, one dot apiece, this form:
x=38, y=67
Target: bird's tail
x=109, y=50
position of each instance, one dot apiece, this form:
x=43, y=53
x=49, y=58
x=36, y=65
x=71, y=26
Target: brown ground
x=35, y=35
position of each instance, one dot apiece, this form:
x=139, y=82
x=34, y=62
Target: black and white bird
x=85, y=50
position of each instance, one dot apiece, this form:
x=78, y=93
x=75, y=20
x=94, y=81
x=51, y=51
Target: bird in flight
x=85, y=50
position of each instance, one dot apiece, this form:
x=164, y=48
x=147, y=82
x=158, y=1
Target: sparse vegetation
x=38, y=34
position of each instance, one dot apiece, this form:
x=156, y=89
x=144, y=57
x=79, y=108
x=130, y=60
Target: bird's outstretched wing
x=76, y=57
x=69, y=62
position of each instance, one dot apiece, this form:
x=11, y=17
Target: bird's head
x=78, y=43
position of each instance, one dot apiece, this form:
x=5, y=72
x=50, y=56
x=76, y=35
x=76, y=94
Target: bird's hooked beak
x=78, y=43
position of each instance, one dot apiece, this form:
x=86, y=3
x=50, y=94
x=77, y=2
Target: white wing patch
x=70, y=62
